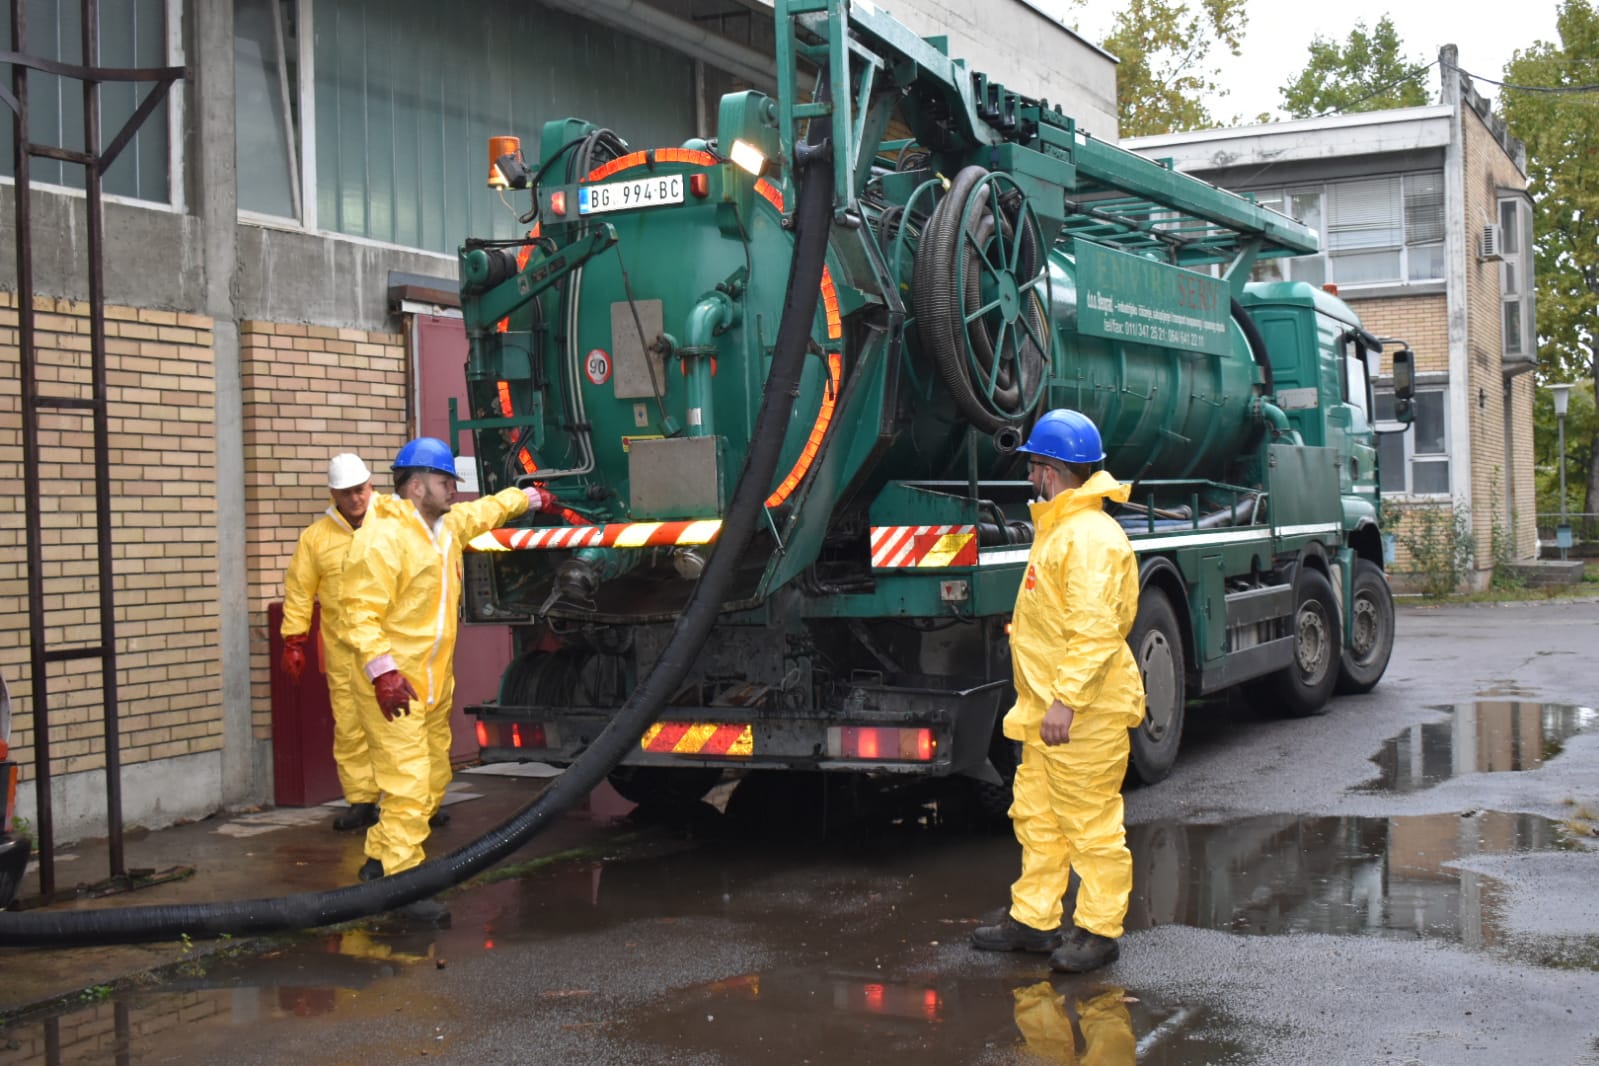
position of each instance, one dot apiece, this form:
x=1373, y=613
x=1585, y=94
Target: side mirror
x=1404, y=384
x=1404, y=374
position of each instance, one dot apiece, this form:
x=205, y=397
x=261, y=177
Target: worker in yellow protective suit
x=1102, y=1017
x=402, y=582
x=315, y=575
x=1078, y=691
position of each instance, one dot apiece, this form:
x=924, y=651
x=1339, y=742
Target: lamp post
x=1561, y=394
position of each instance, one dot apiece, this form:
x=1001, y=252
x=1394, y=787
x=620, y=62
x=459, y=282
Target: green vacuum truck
x=986, y=261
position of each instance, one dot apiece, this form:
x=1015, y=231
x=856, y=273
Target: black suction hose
x=1257, y=346
x=123, y=925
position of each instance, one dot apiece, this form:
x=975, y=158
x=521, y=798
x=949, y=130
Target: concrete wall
x=155, y=258
x=1026, y=51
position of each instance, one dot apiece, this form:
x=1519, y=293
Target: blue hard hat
x=427, y=453
x=1066, y=435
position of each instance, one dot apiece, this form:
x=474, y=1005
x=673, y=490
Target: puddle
x=824, y=951
x=809, y=1016
x=1390, y=877
x=1478, y=738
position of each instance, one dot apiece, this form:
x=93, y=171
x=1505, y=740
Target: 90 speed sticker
x=597, y=365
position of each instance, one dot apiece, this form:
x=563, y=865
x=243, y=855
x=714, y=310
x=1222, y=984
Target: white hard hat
x=346, y=471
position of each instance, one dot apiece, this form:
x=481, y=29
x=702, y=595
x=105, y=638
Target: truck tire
x=1304, y=686
x=1157, y=643
x=1372, y=630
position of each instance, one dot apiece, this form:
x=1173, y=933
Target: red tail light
x=883, y=743
x=512, y=735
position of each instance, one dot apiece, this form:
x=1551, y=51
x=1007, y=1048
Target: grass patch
x=1587, y=588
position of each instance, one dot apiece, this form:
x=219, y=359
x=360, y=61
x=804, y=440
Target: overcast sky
x=1276, y=44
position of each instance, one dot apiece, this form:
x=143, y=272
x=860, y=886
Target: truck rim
x=1160, y=692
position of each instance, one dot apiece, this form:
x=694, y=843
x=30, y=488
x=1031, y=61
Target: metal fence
x=1581, y=540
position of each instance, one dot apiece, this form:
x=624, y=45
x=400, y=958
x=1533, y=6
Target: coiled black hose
x=812, y=222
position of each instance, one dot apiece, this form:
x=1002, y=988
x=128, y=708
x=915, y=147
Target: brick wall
x=1423, y=322
x=310, y=392
x=161, y=393
x=1497, y=436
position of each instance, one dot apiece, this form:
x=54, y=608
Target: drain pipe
x=126, y=925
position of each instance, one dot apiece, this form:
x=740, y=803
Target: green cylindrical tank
x=1162, y=412
x=703, y=277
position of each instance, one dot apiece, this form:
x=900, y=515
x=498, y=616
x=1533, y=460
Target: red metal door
x=482, y=652
x=303, y=773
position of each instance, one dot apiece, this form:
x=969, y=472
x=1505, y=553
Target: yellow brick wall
x=310, y=392
x=1422, y=322
x=1487, y=170
x=162, y=397
x=1501, y=480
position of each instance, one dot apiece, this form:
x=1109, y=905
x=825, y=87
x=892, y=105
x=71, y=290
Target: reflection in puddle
x=1484, y=737
x=1372, y=876
x=322, y=976
x=816, y=1016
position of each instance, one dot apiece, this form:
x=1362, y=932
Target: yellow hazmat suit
x=1106, y=1026
x=316, y=573
x=402, y=587
x=1069, y=643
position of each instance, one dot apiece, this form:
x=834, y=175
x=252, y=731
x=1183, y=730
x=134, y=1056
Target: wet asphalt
x=1408, y=879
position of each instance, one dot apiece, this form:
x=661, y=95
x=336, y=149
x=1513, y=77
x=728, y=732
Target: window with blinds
x=1375, y=231
x=1415, y=462
x=1515, y=278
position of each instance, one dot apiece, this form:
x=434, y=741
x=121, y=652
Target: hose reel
x=981, y=293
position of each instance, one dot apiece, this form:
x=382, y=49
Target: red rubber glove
x=292, y=661
x=540, y=499
x=394, y=694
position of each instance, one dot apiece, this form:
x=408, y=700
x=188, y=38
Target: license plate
x=627, y=195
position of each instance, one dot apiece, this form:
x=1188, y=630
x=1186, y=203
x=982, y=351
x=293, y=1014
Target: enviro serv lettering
x=1129, y=298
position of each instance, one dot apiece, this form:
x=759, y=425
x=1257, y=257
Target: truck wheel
x=663, y=785
x=1372, y=637
x=1157, y=643
x=1304, y=686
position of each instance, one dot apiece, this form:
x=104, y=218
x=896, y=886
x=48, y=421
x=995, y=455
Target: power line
x=1534, y=88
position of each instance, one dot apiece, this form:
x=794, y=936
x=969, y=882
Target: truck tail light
x=886, y=743
x=511, y=735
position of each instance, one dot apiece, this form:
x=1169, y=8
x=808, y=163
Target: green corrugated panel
x=409, y=91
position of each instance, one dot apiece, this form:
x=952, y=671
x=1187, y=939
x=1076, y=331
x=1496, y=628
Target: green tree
x=1561, y=131
x=1366, y=73
x=1582, y=430
x=1165, y=48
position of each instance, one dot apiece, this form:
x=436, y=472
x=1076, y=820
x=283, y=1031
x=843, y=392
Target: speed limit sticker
x=597, y=365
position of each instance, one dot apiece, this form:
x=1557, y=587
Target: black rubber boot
x=1010, y=935
x=358, y=816
x=440, y=818
x=1084, y=951
x=371, y=870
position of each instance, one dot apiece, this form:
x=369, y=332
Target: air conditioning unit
x=1493, y=243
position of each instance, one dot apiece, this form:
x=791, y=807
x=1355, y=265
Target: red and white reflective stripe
x=615, y=535
x=894, y=547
